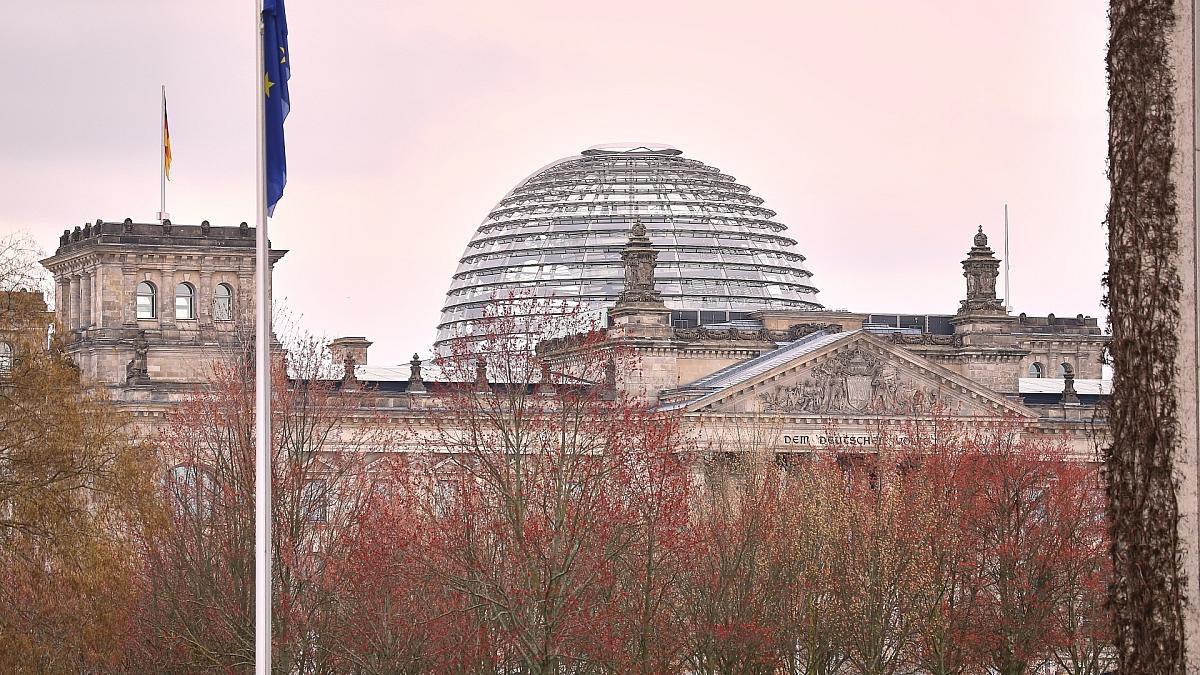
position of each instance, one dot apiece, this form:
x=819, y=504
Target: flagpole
x=262, y=380
x=1007, y=300
x=162, y=160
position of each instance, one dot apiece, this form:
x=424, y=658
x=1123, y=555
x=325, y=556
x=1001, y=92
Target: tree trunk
x=1147, y=593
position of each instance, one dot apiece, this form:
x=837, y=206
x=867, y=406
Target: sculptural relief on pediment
x=856, y=381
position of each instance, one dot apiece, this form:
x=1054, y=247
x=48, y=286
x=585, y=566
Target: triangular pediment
x=854, y=375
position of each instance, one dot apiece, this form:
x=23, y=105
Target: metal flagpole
x=1007, y=302
x=262, y=382
x=162, y=160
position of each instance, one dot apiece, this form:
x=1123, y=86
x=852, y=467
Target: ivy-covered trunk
x=1147, y=593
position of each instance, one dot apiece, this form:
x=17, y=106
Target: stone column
x=85, y=299
x=62, y=291
x=97, y=306
x=73, y=301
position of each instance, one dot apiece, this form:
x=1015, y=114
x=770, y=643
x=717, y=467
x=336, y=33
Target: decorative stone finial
x=416, y=383
x=127, y=226
x=481, y=372
x=639, y=258
x=204, y=227
x=243, y=228
x=1069, y=396
x=981, y=269
x=546, y=379
x=980, y=238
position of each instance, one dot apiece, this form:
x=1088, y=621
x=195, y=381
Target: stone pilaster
x=129, y=284
x=166, y=297
x=204, y=297
x=243, y=310
x=73, y=303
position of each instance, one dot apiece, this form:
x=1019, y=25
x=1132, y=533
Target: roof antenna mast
x=1007, y=303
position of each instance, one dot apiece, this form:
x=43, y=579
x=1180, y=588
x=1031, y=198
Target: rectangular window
x=183, y=307
x=145, y=306
x=685, y=319
x=316, y=501
x=223, y=309
x=444, y=496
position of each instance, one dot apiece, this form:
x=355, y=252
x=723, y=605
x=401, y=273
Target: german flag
x=166, y=139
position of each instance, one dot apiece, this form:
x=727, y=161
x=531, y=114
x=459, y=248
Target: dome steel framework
x=559, y=234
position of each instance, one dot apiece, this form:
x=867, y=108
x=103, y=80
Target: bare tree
x=198, y=610
x=548, y=510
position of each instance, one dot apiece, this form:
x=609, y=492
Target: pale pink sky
x=881, y=132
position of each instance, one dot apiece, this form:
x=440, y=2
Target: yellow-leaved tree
x=74, y=487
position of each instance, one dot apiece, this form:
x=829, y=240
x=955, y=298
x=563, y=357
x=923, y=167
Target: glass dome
x=559, y=233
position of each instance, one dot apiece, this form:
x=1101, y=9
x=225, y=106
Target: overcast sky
x=881, y=132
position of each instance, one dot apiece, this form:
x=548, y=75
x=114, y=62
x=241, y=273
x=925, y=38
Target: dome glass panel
x=559, y=234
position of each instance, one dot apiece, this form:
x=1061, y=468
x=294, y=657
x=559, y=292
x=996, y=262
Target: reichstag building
x=682, y=264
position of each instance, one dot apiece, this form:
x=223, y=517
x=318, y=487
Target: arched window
x=223, y=302
x=146, y=301
x=185, y=301
x=1036, y=370
x=6, y=358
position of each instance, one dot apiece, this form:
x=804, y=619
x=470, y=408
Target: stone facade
x=148, y=360
x=860, y=373
x=987, y=345
x=855, y=374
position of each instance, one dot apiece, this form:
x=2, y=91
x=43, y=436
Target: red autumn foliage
x=540, y=521
x=956, y=549
x=1020, y=544
x=197, y=573
x=543, y=528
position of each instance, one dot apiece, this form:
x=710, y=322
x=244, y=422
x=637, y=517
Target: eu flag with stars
x=277, y=63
